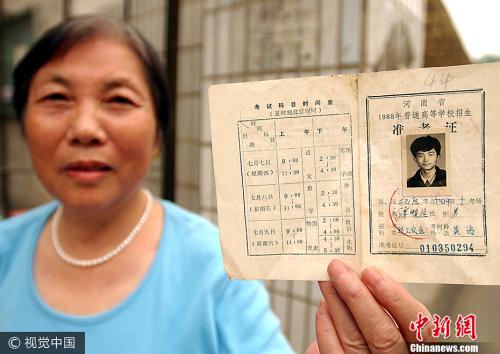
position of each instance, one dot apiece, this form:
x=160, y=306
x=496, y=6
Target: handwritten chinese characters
x=430, y=225
x=298, y=185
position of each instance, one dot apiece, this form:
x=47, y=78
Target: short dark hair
x=72, y=31
x=425, y=143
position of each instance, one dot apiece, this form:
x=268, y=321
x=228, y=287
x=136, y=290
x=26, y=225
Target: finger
x=347, y=330
x=400, y=304
x=327, y=338
x=377, y=327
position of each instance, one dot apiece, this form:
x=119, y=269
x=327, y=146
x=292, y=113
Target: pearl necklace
x=99, y=260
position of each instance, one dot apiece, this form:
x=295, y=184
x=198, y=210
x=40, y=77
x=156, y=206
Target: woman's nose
x=86, y=126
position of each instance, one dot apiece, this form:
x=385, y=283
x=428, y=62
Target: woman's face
x=90, y=124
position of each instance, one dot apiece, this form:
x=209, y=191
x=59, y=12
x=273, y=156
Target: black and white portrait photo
x=428, y=167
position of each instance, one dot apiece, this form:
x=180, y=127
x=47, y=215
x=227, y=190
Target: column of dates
x=259, y=167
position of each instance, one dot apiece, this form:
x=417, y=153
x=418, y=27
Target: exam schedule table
x=297, y=177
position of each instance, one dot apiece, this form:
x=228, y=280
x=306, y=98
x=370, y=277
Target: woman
x=138, y=275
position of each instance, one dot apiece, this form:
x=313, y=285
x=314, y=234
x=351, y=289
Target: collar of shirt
x=431, y=179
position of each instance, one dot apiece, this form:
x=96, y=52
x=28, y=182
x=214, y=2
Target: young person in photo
x=426, y=151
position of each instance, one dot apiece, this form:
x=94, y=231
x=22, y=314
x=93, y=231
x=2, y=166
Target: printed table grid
x=298, y=185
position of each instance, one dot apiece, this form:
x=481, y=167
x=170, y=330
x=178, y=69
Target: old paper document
x=446, y=232
x=390, y=169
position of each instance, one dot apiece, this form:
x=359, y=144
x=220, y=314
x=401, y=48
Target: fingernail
x=336, y=269
x=373, y=277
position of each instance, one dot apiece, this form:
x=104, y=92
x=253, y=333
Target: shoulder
x=190, y=234
x=12, y=229
x=191, y=250
x=15, y=231
x=190, y=224
x=182, y=217
x=414, y=180
x=440, y=172
x=440, y=177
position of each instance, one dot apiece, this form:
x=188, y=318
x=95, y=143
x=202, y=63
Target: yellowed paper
x=312, y=169
x=442, y=234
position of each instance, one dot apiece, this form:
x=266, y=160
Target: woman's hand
x=367, y=315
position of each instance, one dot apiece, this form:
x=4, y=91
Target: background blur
x=215, y=41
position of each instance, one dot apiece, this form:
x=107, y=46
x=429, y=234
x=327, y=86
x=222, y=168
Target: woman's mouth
x=88, y=172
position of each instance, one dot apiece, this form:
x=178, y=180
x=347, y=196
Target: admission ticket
x=394, y=169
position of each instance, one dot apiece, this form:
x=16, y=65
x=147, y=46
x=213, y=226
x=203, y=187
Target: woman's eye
x=121, y=100
x=55, y=97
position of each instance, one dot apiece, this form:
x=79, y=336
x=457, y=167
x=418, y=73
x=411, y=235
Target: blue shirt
x=184, y=304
